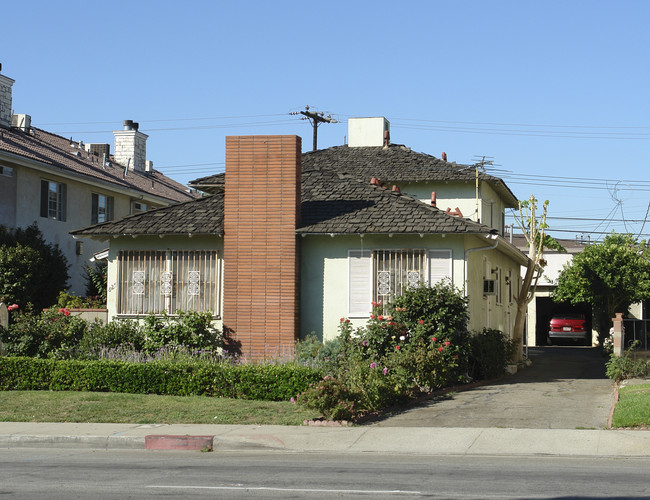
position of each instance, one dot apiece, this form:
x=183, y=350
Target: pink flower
x=372, y=316
x=373, y=365
x=61, y=311
x=421, y=321
x=12, y=307
x=293, y=400
x=364, y=343
x=385, y=371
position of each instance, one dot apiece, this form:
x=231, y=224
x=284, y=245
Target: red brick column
x=261, y=268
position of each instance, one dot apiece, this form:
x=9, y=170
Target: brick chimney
x=5, y=100
x=131, y=146
x=261, y=266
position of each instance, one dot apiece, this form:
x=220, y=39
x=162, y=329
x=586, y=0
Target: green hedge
x=265, y=382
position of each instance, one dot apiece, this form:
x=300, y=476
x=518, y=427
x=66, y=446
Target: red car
x=568, y=326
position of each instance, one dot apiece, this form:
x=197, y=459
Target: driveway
x=564, y=388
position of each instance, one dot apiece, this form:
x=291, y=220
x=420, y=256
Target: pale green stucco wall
x=324, y=274
x=485, y=310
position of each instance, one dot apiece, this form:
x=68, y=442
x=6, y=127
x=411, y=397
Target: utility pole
x=315, y=119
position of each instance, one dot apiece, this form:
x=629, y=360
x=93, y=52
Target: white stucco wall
x=27, y=204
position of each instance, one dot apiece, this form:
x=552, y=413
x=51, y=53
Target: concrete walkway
x=559, y=406
x=388, y=440
x=564, y=388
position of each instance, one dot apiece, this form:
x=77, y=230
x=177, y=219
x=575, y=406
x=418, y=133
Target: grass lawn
x=46, y=406
x=633, y=407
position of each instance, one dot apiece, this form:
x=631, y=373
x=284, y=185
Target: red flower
x=380, y=317
x=66, y=312
x=421, y=321
x=372, y=316
x=397, y=348
x=434, y=339
x=440, y=349
x=447, y=343
x=12, y=307
x=342, y=320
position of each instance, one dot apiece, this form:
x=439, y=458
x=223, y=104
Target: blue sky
x=554, y=92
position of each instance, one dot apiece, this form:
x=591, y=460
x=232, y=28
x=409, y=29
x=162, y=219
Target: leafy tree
x=610, y=276
x=18, y=265
x=48, y=274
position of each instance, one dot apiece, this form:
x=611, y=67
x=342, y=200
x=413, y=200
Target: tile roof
x=332, y=202
x=57, y=152
x=396, y=163
x=197, y=217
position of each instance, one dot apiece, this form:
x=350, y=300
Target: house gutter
x=495, y=237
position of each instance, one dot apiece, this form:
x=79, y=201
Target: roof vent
x=444, y=156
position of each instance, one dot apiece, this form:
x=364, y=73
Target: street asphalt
x=560, y=405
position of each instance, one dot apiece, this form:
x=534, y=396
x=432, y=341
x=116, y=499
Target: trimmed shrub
x=265, y=382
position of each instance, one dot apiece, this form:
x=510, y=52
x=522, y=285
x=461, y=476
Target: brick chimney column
x=261, y=266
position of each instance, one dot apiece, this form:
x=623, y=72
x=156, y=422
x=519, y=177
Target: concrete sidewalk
x=367, y=439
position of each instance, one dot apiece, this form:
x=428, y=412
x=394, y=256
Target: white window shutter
x=439, y=265
x=359, y=283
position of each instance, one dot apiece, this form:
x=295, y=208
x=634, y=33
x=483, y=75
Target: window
x=102, y=208
x=138, y=207
x=168, y=281
x=395, y=271
x=53, y=200
x=380, y=275
x=6, y=171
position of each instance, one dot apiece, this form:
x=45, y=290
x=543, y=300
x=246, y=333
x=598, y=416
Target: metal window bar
x=168, y=281
x=396, y=270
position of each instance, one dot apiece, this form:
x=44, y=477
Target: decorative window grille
x=156, y=282
x=396, y=270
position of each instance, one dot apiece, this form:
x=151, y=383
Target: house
x=63, y=184
x=289, y=243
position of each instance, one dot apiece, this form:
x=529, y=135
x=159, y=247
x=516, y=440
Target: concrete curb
x=428, y=441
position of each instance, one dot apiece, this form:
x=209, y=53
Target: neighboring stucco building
x=63, y=184
x=289, y=243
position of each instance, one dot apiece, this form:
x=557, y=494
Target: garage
x=546, y=309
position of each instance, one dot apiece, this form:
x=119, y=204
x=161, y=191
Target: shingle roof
x=331, y=203
x=396, y=163
x=56, y=151
x=197, y=217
